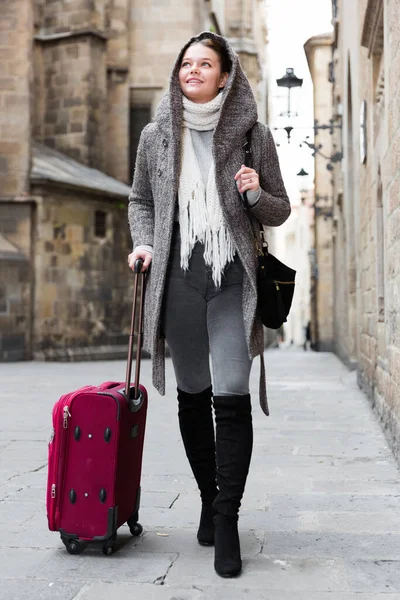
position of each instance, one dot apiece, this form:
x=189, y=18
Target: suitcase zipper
x=54, y=444
x=66, y=414
x=63, y=407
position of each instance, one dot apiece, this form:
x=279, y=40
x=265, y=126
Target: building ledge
x=243, y=45
x=316, y=41
x=9, y=251
x=372, y=34
x=51, y=166
x=122, y=68
x=63, y=35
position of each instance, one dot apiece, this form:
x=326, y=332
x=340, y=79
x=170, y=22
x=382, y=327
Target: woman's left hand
x=247, y=179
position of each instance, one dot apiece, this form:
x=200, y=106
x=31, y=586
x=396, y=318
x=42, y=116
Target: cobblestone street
x=320, y=519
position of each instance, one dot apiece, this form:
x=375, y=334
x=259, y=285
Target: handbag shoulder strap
x=247, y=149
x=248, y=163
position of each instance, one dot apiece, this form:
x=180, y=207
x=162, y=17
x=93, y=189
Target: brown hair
x=219, y=48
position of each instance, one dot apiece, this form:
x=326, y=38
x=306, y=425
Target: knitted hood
x=238, y=108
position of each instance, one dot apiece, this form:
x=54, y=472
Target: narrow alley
x=320, y=518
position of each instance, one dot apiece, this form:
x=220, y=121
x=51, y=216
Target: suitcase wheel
x=108, y=546
x=74, y=546
x=136, y=529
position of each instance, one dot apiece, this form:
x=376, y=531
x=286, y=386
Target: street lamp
x=289, y=81
x=302, y=173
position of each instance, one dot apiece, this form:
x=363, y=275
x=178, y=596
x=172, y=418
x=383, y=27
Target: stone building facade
x=63, y=226
x=364, y=82
x=78, y=81
x=318, y=51
x=299, y=234
x=159, y=32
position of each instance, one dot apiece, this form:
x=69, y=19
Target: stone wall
x=318, y=51
x=71, y=78
x=15, y=280
x=72, y=73
x=346, y=175
x=368, y=215
x=382, y=342
x=83, y=279
x=117, y=145
x=245, y=27
x=118, y=96
x=298, y=241
x=16, y=31
x=74, y=15
x=323, y=200
x=73, y=114
x=370, y=173
x=158, y=33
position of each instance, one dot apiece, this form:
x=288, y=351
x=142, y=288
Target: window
x=100, y=224
x=139, y=117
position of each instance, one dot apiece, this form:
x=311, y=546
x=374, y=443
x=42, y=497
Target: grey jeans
x=198, y=320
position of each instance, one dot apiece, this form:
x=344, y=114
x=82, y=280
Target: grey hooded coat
x=154, y=194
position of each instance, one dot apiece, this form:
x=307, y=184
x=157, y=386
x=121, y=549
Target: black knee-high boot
x=234, y=444
x=197, y=431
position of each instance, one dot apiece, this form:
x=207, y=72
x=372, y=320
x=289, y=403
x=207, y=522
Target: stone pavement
x=320, y=518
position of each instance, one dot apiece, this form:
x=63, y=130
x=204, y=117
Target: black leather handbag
x=275, y=280
x=276, y=283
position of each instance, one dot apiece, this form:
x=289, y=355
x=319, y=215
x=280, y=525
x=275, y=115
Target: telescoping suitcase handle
x=141, y=276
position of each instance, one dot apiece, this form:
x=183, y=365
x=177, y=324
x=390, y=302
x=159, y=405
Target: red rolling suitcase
x=95, y=454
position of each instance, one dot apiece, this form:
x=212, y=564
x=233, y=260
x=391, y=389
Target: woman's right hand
x=144, y=255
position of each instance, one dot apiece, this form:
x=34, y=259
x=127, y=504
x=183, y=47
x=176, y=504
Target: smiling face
x=200, y=75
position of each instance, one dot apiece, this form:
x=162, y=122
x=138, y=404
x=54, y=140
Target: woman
x=187, y=219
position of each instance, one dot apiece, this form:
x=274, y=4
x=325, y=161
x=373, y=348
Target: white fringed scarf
x=200, y=214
